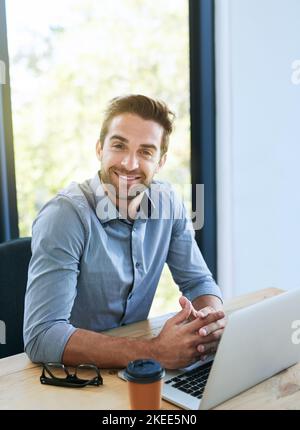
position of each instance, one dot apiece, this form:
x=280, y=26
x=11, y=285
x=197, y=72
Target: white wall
x=258, y=144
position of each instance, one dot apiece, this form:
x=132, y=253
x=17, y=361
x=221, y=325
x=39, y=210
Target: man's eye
x=147, y=153
x=118, y=146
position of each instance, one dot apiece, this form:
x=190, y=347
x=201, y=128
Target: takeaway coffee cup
x=145, y=379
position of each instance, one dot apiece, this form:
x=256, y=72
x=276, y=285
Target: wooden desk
x=20, y=387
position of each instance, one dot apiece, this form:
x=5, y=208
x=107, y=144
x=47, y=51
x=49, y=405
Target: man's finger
x=182, y=302
x=198, y=322
x=215, y=336
x=211, y=327
x=184, y=313
x=206, y=311
x=207, y=347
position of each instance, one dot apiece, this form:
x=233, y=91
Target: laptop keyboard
x=193, y=381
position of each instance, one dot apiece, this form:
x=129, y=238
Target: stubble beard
x=126, y=193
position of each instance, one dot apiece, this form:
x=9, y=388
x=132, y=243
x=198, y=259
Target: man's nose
x=130, y=162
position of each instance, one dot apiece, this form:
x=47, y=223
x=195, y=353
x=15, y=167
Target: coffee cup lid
x=144, y=371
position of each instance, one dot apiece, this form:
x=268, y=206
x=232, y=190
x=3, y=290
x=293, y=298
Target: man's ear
x=161, y=163
x=99, y=150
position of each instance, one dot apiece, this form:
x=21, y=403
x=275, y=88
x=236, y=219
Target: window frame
x=9, y=228
x=203, y=122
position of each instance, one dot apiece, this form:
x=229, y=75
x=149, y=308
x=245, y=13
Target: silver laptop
x=258, y=342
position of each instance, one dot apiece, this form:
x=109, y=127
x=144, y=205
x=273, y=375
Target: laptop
x=258, y=342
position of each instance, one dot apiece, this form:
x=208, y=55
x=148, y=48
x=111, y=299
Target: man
x=98, y=253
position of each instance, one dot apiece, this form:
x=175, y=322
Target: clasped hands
x=190, y=335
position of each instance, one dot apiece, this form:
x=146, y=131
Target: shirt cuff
x=50, y=344
x=207, y=288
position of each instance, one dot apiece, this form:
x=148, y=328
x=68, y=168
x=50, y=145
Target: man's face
x=130, y=156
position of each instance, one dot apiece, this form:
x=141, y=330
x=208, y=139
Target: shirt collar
x=105, y=209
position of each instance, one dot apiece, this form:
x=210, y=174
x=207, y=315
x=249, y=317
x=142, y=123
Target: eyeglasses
x=58, y=374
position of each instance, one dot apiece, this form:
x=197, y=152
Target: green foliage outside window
x=67, y=59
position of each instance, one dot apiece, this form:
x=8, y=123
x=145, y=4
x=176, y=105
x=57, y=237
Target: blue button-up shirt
x=90, y=269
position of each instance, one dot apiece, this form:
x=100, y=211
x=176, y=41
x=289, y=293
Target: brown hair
x=145, y=107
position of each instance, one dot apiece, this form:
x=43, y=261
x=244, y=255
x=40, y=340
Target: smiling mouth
x=128, y=178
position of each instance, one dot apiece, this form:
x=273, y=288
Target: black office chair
x=14, y=259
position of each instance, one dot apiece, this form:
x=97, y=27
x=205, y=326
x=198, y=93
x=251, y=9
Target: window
x=67, y=59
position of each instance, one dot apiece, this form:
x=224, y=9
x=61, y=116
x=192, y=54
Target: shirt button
x=137, y=265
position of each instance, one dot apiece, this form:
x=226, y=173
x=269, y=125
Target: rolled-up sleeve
x=57, y=245
x=185, y=260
